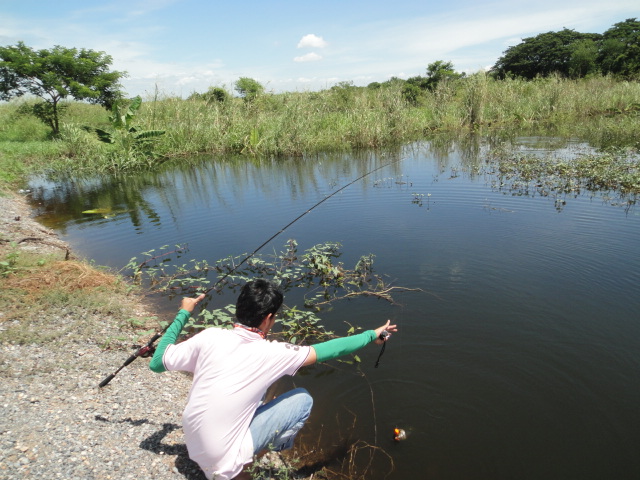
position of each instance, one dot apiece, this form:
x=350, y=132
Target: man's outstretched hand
x=189, y=303
x=389, y=328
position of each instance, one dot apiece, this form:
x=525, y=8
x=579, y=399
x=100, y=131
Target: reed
x=343, y=118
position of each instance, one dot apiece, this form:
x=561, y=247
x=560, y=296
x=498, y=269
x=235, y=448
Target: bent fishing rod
x=149, y=349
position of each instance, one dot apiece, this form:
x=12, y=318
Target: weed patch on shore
x=47, y=300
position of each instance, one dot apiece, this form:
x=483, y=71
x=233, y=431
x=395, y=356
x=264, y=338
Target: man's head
x=257, y=299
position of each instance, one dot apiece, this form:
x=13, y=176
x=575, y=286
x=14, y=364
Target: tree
x=544, y=54
x=55, y=74
x=620, y=50
x=411, y=93
x=440, y=71
x=248, y=88
x=213, y=94
x=419, y=82
x=584, y=58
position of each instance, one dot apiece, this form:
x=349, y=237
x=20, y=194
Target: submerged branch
x=384, y=294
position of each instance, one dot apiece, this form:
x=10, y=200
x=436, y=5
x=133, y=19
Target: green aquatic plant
x=317, y=270
x=8, y=265
x=615, y=174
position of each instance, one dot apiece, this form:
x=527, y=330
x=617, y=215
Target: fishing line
x=384, y=345
x=385, y=336
x=148, y=349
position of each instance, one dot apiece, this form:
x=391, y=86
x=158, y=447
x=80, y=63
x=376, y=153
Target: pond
x=519, y=358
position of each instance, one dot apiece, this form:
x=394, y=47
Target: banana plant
x=124, y=134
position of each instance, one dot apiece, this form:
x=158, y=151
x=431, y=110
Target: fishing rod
x=148, y=349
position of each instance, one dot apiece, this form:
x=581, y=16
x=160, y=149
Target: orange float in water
x=399, y=434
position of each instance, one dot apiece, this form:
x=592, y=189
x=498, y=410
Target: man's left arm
x=321, y=352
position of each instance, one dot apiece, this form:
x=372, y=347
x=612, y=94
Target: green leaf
x=136, y=102
x=150, y=134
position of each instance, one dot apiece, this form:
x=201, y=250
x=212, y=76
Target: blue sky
x=184, y=46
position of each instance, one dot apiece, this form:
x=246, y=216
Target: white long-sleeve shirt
x=232, y=371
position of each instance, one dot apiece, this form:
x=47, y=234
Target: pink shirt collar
x=250, y=329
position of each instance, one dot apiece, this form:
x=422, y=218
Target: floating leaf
x=107, y=212
x=99, y=211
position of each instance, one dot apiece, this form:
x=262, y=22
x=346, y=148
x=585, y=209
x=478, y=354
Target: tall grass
x=348, y=118
x=343, y=118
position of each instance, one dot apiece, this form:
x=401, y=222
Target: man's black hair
x=257, y=299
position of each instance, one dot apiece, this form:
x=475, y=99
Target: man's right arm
x=171, y=335
x=169, y=338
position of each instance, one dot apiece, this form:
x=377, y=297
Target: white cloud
x=308, y=57
x=312, y=41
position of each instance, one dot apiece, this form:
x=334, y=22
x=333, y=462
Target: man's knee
x=303, y=400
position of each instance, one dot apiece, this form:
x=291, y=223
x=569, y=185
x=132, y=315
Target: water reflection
x=60, y=202
x=228, y=181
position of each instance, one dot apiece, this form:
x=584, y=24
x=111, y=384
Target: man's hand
x=389, y=328
x=189, y=304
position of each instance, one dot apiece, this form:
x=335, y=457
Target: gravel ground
x=57, y=423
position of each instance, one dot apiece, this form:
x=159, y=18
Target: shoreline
x=18, y=226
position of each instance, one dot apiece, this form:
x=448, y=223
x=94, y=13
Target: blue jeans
x=275, y=424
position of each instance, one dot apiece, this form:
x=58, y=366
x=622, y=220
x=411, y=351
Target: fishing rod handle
x=110, y=377
x=138, y=353
x=106, y=380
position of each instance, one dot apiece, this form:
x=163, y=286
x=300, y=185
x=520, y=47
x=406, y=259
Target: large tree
x=566, y=52
x=620, y=50
x=56, y=74
x=584, y=58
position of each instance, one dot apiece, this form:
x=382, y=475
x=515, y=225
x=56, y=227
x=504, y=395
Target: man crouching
x=225, y=422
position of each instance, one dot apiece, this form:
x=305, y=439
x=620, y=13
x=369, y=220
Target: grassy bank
x=343, y=118
x=38, y=288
